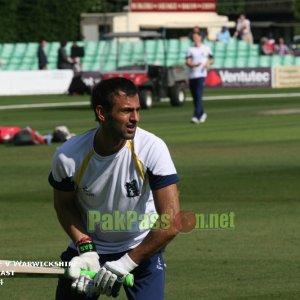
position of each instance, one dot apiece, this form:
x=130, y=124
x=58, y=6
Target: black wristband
x=86, y=247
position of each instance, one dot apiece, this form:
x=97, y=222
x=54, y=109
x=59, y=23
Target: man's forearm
x=156, y=240
x=167, y=204
x=69, y=216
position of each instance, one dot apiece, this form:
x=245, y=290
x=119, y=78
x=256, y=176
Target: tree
x=32, y=20
x=231, y=7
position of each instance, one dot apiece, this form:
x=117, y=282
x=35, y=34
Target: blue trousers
x=197, y=87
x=149, y=278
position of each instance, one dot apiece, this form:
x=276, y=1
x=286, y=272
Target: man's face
x=197, y=38
x=125, y=114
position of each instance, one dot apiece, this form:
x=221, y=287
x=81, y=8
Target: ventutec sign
x=239, y=77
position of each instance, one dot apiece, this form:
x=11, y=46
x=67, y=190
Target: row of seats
x=101, y=55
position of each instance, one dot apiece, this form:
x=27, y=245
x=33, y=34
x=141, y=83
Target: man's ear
x=101, y=114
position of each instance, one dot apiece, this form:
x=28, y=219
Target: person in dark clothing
x=63, y=60
x=42, y=58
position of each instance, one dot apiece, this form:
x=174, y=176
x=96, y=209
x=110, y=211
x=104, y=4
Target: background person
x=281, y=48
x=42, y=58
x=63, y=60
x=223, y=35
x=243, y=29
x=116, y=167
x=199, y=58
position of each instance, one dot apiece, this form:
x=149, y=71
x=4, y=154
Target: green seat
x=242, y=45
x=288, y=60
x=241, y=62
x=220, y=47
x=31, y=50
x=125, y=48
x=150, y=46
x=90, y=47
x=264, y=61
x=20, y=49
x=25, y=66
x=161, y=46
x=52, y=65
x=232, y=45
x=253, y=61
x=173, y=46
x=229, y=62
x=185, y=43
x=276, y=60
x=230, y=53
x=172, y=59
x=7, y=50
x=109, y=65
x=210, y=44
x=95, y=66
x=218, y=63
x=138, y=47
x=297, y=61
x=254, y=50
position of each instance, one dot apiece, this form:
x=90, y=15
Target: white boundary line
x=207, y=98
x=44, y=105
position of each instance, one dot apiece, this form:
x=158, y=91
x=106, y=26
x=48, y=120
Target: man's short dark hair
x=104, y=92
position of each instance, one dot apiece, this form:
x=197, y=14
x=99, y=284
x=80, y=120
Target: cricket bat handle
x=128, y=281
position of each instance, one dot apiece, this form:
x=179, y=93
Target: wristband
x=85, y=245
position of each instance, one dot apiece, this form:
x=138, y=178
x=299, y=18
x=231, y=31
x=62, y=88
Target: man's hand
x=87, y=261
x=111, y=277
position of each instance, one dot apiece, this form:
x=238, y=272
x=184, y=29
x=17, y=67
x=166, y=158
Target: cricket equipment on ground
x=86, y=261
x=17, y=269
x=111, y=277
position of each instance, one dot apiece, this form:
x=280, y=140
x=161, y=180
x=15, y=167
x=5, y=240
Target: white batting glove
x=86, y=261
x=111, y=276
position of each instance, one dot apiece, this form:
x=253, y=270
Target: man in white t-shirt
x=115, y=196
x=243, y=29
x=199, y=58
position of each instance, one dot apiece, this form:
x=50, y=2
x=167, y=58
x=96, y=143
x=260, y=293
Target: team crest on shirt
x=132, y=189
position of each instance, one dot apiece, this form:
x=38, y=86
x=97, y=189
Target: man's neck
x=105, y=145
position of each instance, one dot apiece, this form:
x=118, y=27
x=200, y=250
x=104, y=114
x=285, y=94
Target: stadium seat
x=210, y=44
x=276, y=60
x=219, y=50
x=218, y=63
x=172, y=59
x=264, y=61
x=7, y=50
x=253, y=61
x=229, y=62
x=241, y=62
x=151, y=46
x=125, y=48
x=232, y=45
x=297, y=61
x=185, y=43
x=254, y=50
x=90, y=47
x=288, y=60
x=19, y=50
x=173, y=46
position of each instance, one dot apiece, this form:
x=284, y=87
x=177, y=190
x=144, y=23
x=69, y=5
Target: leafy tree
x=231, y=7
x=8, y=20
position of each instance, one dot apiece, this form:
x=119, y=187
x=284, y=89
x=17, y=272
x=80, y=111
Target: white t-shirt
x=113, y=193
x=199, y=55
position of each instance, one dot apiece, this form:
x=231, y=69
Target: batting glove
x=87, y=260
x=111, y=276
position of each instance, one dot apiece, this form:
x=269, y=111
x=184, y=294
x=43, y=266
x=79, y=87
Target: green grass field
x=241, y=160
